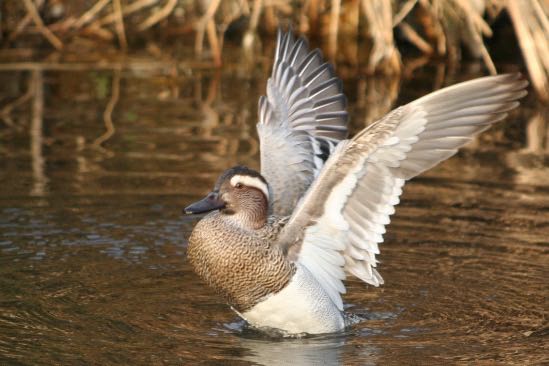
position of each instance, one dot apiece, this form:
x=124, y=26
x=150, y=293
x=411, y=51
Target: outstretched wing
x=301, y=119
x=342, y=218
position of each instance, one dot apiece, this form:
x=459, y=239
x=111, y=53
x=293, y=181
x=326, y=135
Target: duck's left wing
x=301, y=119
x=342, y=218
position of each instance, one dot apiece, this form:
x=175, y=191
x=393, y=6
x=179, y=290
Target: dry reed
x=434, y=27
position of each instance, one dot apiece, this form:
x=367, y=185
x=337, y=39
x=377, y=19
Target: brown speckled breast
x=243, y=266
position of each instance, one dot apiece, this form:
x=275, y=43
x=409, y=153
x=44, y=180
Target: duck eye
x=238, y=185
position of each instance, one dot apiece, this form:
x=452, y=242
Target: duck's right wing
x=342, y=218
x=301, y=119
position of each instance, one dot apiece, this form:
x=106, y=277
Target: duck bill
x=209, y=203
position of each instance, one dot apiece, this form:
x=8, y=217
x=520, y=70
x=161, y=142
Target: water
x=92, y=245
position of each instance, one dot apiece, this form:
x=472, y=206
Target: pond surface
x=92, y=240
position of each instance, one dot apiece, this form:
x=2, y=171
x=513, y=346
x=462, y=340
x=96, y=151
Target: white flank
x=251, y=182
x=301, y=307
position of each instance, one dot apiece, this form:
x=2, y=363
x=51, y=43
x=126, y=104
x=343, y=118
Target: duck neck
x=252, y=217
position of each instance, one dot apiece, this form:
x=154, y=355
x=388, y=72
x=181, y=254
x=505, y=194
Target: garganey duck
x=278, y=244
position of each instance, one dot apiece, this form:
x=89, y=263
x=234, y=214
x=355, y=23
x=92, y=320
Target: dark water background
x=92, y=240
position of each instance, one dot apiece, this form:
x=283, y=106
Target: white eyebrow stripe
x=251, y=182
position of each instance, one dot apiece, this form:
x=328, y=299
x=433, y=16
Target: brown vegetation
x=437, y=28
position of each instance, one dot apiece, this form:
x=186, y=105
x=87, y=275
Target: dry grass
x=438, y=28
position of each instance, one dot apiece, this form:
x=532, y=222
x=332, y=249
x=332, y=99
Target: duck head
x=240, y=193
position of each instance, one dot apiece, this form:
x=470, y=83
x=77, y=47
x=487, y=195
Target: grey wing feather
x=341, y=220
x=301, y=120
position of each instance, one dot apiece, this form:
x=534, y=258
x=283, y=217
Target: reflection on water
x=36, y=126
x=294, y=352
x=92, y=245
